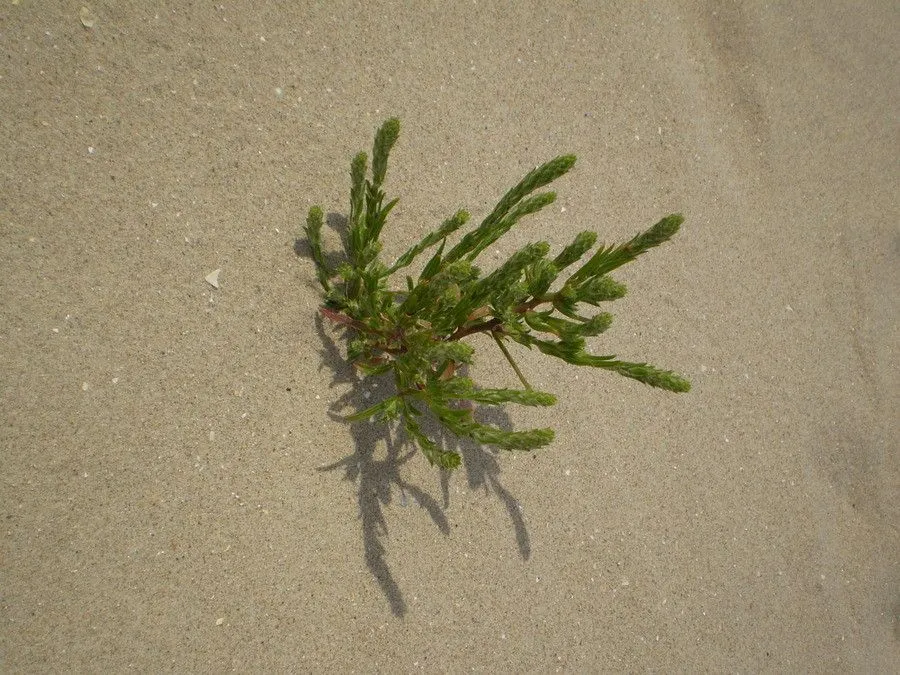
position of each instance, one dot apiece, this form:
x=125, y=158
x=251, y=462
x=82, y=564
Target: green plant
x=417, y=331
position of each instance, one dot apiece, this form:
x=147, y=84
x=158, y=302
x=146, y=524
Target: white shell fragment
x=87, y=17
x=213, y=278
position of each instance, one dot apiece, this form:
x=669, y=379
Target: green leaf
x=458, y=352
x=573, y=352
x=570, y=350
x=540, y=276
x=583, y=243
x=565, y=301
x=389, y=408
x=445, y=459
x=370, y=370
x=535, y=179
x=369, y=252
x=498, y=282
x=596, y=325
x=434, y=264
x=376, y=214
x=427, y=292
x=357, y=182
x=462, y=388
x=461, y=422
x=528, y=397
x=600, y=289
x=512, y=440
x=568, y=330
x=544, y=322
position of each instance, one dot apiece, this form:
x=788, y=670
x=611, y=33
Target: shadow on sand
x=379, y=480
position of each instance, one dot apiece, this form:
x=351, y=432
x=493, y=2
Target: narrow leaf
x=606, y=260
x=389, y=408
x=540, y=276
x=434, y=264
x=522, y=397
x=445, y=459
x=447, y=228
x=643, y=372
x=313, y=231
x=512, y=440
x=583, y=243
x=574, y=353
x=357, y=238
x=377, y=214
x=456, y=351
x=596, y=325
x=535, y=179
x=600, y=289
x=499, y=281
x=487, y=236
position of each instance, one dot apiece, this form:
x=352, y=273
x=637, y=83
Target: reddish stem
x=343, y=319
x=487, y=326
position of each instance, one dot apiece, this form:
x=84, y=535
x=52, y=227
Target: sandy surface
x=178, y=491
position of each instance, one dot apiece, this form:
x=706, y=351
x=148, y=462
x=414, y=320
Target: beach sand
x=179, y=491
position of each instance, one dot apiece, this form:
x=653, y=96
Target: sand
x=179, y=491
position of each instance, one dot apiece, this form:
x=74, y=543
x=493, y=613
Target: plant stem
x=510, y=359
x=484, y=326
x=488, y=326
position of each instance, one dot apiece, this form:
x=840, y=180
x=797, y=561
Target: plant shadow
x=377, y=474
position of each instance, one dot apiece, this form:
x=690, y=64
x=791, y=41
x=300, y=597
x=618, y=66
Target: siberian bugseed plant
x=417, y=331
